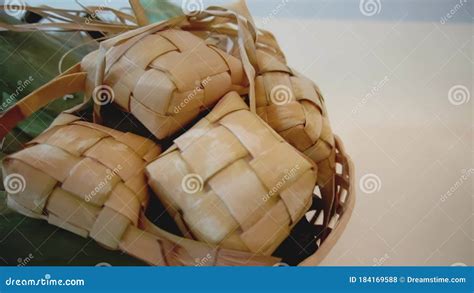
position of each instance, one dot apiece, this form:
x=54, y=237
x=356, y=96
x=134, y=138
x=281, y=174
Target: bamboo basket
x=151, y=58
x=61, y=175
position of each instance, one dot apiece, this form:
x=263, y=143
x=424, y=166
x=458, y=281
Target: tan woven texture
x=293, y=106
x=167, y=78
x=89, y=179
x=288, y=101
x=237, y=181
x=232, y=180
x=86, y=178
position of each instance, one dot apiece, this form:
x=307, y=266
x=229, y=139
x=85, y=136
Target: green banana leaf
x=27, y=61
x=159, y=10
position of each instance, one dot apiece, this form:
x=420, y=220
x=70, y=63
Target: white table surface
x=407, y=132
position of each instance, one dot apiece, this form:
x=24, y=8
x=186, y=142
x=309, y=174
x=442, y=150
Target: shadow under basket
x=310, y=242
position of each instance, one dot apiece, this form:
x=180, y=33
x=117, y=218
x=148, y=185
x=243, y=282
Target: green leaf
x=22, y=237
x=36, y=55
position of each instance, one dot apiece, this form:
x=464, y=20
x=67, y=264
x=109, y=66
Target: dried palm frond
x=254, y=184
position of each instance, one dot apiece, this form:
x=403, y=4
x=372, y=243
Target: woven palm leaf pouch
x=289, y=102
x=253, y=176
x=90, y=180
x=149, y=75
x=231, y=180
x=162, y=74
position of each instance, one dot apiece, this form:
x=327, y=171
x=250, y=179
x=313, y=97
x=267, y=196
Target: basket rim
x=348, y=207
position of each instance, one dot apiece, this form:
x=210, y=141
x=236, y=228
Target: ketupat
x=250, y=186
x=114, y=49
x=151, y=78
x=33, y=57
x=89, y=180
